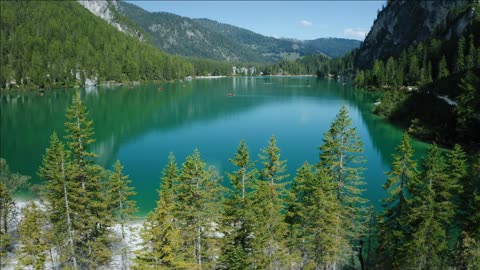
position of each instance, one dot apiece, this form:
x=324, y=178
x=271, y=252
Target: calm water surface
x=140, y=125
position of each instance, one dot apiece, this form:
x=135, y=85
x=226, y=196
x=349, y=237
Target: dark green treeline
x=319, y=220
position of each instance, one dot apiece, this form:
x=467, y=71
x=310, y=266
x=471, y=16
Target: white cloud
x=306, y=23
x=356, y=33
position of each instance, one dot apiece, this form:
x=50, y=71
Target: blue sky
x=290, y=19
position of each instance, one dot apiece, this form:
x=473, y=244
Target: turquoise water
x=140, y=125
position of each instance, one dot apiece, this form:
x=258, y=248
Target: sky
x=288, y=19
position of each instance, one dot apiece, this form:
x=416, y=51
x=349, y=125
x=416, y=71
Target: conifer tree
x=33, y=237
x=121, y=204
x=443, y=68
x=326, y=240
x=160, y=233
x=61, y=193
x=299, y=202
x=95, y=218
x=460, y=59
x=7, y=206
x=470, y=58
x=197, y=195
x=340, y=156
x=393, y=228
x=431, y=211
x=237, y=216
x=270, y=227
x=390, y=71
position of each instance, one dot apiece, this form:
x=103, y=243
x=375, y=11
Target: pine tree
x=393, y=226
x=197, y=195
x=61, y=193
x=299, y=202
x=32, y=235
x=160, y=232
x=121, y=204
x=443, y=68
x=390, y=71
x=460, y=60
x=341, y=156
x=7, y=206
x=326, y=240
x=237, y=216
x=270, y=227
x=470, y=58
x=95, y=219
x=431, y=211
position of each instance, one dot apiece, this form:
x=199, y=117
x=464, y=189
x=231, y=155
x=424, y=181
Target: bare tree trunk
x=69, y=220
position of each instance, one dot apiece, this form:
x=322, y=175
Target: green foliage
x=160, y=232
x=341, y=158
x=197, y=194
x=393, y=222
x=269, y=226
x=45, y=50
x=238, y=216
x=34, y=239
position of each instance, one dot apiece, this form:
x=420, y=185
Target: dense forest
x=261, y=220
x=442, y=73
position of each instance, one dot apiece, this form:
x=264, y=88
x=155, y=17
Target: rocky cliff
x=404, y=22
x=108, y=11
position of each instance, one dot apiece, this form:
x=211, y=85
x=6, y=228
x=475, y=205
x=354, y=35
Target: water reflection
x=140, y=124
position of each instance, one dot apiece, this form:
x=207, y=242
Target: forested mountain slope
x=425, y=57
x=63, y=44
x=207, y=38
x=403, y=23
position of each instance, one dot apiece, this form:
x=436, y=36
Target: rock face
x=404, y=22
x=106, y=10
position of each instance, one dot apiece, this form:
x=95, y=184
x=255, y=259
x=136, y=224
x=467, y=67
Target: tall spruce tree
x=393, y=223
x=431, y=211
x=197, y=195
x=341, y=156
x=326, y=242
x=96, y=218
x=460, y=57
x=299, y=203
x=236, y=222
x=270, y=227
x=61, y=193
x=121, y=205
x=160, y=232
x=7, y=206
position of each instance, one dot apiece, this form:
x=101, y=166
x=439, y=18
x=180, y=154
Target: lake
x=140, y=124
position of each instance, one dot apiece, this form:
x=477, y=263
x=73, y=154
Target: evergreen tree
x=95, y=217
x=390, y=71
x=32, y=235
x=340, y=156
x=468, y=101
x=160, y=233
x=443, y=68
x=393, y=227
x=326, y=241
x=237, y=216
x=61, y=193
x=470, y=58
x=270, y=227
x=431, y=211
x=121, y=204
x=299, y=202
x=7, y=207
x=197, y=195
x=460, y=60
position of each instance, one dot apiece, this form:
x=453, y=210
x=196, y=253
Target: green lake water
x=140, y=125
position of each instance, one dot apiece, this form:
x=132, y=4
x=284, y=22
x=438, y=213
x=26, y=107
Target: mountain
x=60, y=44
x=403, y=23
x=210, y=39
